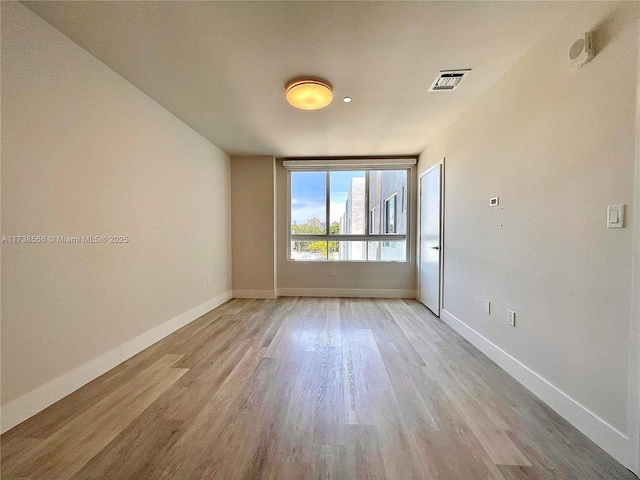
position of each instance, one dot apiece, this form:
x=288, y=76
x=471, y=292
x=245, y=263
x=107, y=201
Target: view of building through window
x=369, y=205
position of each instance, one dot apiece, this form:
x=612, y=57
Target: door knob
x=436, y=248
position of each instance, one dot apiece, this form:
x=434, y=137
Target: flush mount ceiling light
x=309, y=93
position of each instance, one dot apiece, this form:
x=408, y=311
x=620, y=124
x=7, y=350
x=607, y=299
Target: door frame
x=440, y=163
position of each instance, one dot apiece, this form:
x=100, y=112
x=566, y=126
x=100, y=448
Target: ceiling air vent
x=448, y=79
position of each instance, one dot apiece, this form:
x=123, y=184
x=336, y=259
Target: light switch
x=615, y=216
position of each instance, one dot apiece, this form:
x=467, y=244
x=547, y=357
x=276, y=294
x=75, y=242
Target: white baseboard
x=606, y=436
x=345, y=292
x=24, y=407
x=254, y=294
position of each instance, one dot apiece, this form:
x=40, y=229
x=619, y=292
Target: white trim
x=254, y=294
x=633, y=450
x=606, y=436
x=345, y=292
x=350, y=164
x=145, y=340
x=419, y=233
x=24, y=407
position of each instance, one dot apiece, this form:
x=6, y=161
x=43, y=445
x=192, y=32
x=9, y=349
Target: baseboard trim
x=345, y=292
x=598, y=430
x=254, y=294
x=26, y=406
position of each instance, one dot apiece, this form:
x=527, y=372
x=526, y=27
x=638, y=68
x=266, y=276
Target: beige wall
x=351, y=278
x=86, y=153
x=253, y=223
x=557, y=146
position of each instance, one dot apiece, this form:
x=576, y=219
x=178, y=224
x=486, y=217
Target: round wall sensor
x=581, y=51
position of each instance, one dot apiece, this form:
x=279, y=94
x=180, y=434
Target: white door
x=430, y=248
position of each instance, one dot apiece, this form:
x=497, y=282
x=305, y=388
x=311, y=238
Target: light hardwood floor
x=299, y=388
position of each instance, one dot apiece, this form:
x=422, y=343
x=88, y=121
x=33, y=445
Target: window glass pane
x=347, y=203
x=353, y=251
x=354, y=208
x=308, y=203
x=385, y=186
x=333, y=250
x=388, y=251
x=316, y=250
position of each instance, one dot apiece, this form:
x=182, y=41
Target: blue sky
x=308, y=194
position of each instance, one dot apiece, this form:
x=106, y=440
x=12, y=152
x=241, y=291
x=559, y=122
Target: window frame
x=365, y=237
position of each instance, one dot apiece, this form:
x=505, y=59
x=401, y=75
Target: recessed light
x=347, y=99
x=309, y=93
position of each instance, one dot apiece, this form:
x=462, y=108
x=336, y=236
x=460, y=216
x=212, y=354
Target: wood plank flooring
x=305, y=388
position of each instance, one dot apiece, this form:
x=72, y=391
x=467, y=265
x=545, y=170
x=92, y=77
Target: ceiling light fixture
x=347, y=99
x=309, y=93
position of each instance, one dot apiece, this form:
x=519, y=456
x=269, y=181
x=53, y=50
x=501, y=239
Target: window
x=390, y=214
x=372, y=220
x=347, y=214
x=404, y=198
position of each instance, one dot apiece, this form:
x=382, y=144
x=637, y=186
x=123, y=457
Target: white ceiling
x=221, y=67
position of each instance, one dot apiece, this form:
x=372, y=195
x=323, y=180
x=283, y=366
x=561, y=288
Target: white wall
x=557, y=146
x=388, y=279
x=84, y=152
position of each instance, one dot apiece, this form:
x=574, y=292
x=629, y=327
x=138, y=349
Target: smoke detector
x=448, y=80
x=581, y=51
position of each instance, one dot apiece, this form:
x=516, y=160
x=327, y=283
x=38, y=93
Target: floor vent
x=448, y=80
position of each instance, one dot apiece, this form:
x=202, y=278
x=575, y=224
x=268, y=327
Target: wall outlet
x=332, y=271
x=209, y=280
x=487, y=307
x=512, y=318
